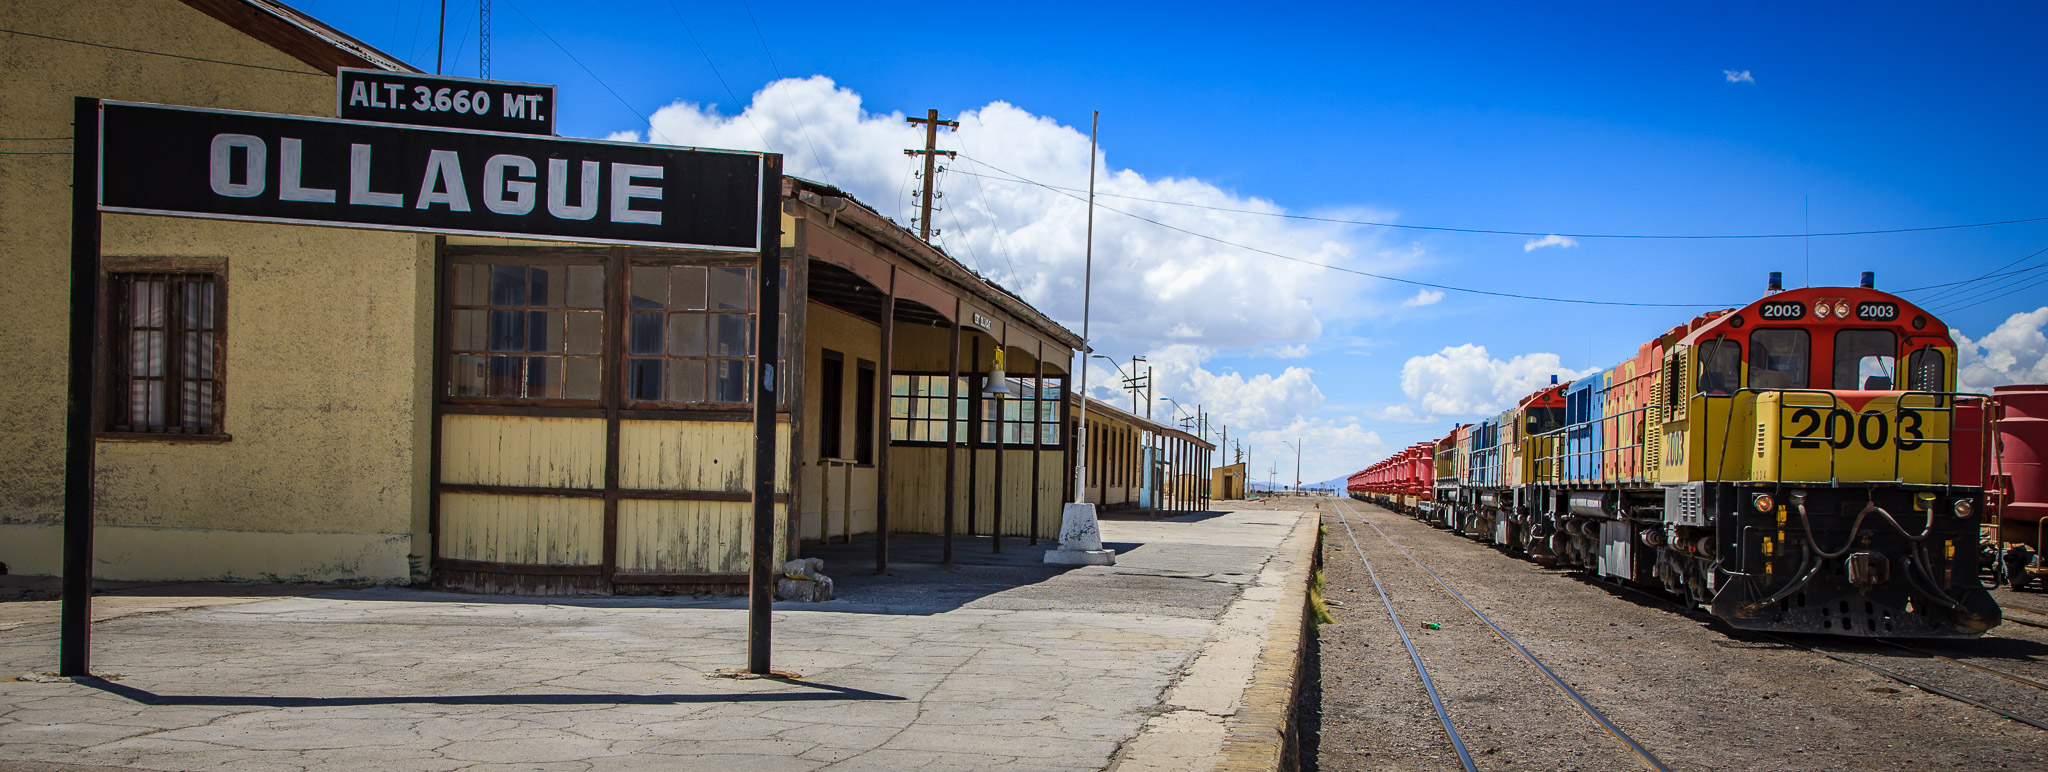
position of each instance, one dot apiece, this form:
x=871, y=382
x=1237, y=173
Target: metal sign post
x=232, y=165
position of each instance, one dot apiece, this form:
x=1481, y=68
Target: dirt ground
x=1697, y=694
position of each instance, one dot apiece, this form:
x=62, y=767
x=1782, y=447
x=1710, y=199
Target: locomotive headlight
x=1821, y=310
x=1962, y=507
x=1763, y=502
x=1842, y=309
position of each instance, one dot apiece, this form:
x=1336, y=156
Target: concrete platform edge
x=1261, y=737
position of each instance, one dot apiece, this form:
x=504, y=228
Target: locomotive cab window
x=1924, y=370
x=1720, y=367
x=1778, y=359
x=1866, y=359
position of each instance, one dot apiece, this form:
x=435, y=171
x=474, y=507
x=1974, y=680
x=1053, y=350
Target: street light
x=1297, y=463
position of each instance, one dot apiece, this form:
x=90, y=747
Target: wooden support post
x=884, y=428
x=952, y=433
x=767, y=345
x=846, y=515
x=995, y=530
x=974, y=437
x=1037, y=437
x=824, y=500
x=74, y=646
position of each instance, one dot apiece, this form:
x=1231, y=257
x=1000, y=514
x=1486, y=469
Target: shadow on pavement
x=825, y=692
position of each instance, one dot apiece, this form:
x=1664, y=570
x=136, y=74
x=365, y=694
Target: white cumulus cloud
x=1552, y=240
x=1151, y=285
x=1466, y=381
x=2014, y=352
x=1178, y=297
x=1423, y=298
x=1742, y=76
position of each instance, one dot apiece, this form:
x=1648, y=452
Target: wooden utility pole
x=930, y=152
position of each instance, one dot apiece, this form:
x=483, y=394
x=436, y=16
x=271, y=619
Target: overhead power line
x=651, y=130
x=737, y=104
x=1411, y=282
x=801, y=124
x=1955, y=286
x=1498, y=232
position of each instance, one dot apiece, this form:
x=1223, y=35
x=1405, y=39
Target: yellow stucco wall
x=855, y=339
x=328, y=333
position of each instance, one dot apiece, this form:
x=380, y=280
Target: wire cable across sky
x=1411, y=282
x=1539, y=234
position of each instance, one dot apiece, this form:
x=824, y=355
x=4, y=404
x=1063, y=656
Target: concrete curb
x=1261, y=736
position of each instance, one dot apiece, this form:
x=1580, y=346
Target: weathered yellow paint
x=917, y=492
x=329, y=330
x=692, y=455
x=547, y=530
x=522, y=451
x=690, y=537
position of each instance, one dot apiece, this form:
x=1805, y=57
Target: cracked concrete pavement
x=1138, y=665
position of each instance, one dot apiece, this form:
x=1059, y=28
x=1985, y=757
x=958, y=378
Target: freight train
x=1804, y=463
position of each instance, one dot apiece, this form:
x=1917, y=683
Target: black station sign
x=275, y=168
x=453, y=103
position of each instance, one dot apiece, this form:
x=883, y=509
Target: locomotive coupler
x=1868, y=569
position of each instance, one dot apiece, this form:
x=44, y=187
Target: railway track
x=2038, y=618
x=1915, y=682
x=1345, y=512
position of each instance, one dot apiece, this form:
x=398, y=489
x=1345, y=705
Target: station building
x=315, y=404
x=1132, y=459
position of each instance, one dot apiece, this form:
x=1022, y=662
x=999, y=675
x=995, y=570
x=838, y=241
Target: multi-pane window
x=166, y=376
x=690, y=334
x=1030, y=411
x=918, y=408
x=527, y=331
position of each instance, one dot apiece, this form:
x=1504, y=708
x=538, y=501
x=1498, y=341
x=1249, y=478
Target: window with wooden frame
x=690, y=336
x=526, y=331
x=1031, y=411
x=918, y=404
x=167, y=347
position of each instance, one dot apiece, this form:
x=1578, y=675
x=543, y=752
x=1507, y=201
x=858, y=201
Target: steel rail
x=1911, y=681
x=1436, y=700
x=1643, y=754
x=1991, y=670
x=1896, y=676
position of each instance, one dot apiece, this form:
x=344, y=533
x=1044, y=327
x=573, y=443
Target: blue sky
x=1619, y=118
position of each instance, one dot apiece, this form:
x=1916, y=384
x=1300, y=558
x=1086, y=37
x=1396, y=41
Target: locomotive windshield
x=1778, y=358
x=1720, y=367
x=1545, y=419
x=1866, y=359
x=1924, y=370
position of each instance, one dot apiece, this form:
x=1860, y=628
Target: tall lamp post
x=1297, y=462
x=1080, y=535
